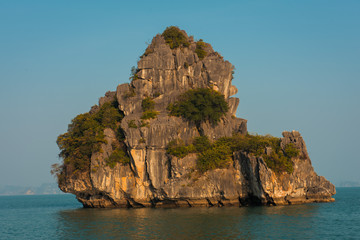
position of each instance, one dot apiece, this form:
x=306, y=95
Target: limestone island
x=170, y=138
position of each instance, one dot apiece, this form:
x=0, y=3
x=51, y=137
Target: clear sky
x=297, y=67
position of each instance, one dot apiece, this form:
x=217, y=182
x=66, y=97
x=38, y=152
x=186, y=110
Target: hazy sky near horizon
x=297, y=67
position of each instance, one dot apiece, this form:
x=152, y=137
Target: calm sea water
x=62, y=217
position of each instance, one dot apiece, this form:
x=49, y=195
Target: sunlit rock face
x=156, y=179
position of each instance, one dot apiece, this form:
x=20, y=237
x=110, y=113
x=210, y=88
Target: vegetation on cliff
x=85, y=135
x=133, y=73
x=179, y=149
x=200, y=49
x=200, y=105
x=117, y=156
x=175, y=37
x=148, y=106
x=219, y=154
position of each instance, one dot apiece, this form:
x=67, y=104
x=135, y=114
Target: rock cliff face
x=154, y=178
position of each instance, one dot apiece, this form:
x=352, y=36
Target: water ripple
x=61, y=217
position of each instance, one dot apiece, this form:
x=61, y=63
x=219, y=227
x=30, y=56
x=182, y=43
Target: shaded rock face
x=155, y=179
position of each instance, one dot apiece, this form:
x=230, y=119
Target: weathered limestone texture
x=155, y=179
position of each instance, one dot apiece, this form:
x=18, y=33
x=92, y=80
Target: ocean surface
x=62, y=217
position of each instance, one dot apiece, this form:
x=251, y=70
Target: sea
x=62, y=217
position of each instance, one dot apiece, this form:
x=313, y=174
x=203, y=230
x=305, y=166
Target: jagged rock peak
x=192, y=65
x=172, y=65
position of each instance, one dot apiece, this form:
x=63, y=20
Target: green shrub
x=85, y=135
x=291, y=151
x=200, y=105
x=148, y=104
x=279, y=160
x=175, y=37
x=117, y=156
x=254, y=144
x=141, y=140
x=200, y=49
x=132, y=124
x=201, y=144
x=109, y=115
x=178, y=149
x=218, y=156
x=149, y=114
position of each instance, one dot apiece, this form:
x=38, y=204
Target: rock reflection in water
x=192, y=223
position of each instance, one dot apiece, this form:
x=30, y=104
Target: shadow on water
x=192, y=223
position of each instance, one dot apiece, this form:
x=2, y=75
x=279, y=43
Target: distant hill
x=349, y=184
x=45, y=188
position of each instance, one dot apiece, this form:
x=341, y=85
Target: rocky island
x=171, y=138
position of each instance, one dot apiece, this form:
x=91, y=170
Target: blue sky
x=297, y=67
